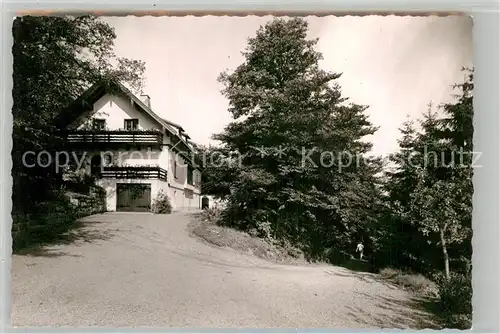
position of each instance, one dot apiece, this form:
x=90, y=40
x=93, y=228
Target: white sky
x=395, y=65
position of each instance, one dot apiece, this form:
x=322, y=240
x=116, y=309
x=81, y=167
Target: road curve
x=140, y=269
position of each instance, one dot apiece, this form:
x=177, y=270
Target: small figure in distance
x=359, y=249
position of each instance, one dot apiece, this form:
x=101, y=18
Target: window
x=175, y=169
x=98, y=124
x=188, y=193
x=95, y=166
x=190, y=175
x=131, y=124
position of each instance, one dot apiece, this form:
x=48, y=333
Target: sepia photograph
x=243, y=171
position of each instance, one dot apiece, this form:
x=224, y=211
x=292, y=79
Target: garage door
x=133, y=197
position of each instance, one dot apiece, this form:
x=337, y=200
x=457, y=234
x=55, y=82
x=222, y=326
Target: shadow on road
x=420, y=312
x=416, y=312
x=357, y=265
x=84, y=231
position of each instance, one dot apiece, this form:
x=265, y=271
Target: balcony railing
x=115, y=137
x=133, y=172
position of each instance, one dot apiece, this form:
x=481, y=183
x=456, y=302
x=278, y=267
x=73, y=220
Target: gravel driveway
x=140, y=269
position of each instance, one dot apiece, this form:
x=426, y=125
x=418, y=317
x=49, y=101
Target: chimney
x=146, y=100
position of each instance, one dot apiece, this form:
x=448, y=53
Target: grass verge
x=416, y=283
x=221, y=236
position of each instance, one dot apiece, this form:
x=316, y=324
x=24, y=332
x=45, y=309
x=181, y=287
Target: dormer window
x=98, y=124
x=131, y=124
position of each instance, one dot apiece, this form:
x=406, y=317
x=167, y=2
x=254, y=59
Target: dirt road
x=128, y=270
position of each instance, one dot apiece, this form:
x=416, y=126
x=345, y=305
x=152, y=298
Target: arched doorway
x=204, y=202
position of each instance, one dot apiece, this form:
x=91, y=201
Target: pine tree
x=458, y=130
x=300, y=142
x=403, y=177
x=441, y=203
x=400, y=244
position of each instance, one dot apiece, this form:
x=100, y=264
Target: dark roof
x=80, y=105
x=173, y=124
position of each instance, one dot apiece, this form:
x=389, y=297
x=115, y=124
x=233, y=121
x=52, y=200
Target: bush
x=409, y=281
x=45, y=223
x=212, y=215
x=455, y=299
x=161, y=204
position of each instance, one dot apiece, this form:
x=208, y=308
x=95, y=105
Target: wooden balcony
x=114, y=138
x=132, y=172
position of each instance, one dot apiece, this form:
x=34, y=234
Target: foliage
x=161, y=204
x=410, y=281
x=455, y=299
x=297, y=141
x=219, y=170
x=430, y=199
x=61, y=57
x=212, y=215
x=428, y=227
x=56, y=58
x=296, y=138
x=45, y=222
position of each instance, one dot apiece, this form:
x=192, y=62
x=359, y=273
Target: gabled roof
x=98, y=90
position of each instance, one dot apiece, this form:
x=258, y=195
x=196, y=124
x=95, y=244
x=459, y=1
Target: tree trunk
x=445, y=255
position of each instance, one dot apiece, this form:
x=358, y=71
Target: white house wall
x=114, y=109
x=180, y=202
x=178, y=183
x=163, y=158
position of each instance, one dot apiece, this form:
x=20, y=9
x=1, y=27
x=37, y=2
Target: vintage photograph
x=243, y=171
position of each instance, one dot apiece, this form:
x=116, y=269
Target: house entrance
x=133, y=197
x=204, y=202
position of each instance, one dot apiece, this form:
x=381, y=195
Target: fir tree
x=303, y=176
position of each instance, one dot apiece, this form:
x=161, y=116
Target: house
x=133, y=153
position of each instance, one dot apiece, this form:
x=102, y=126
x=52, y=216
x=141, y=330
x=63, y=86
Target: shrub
x=390, y=272
x=409, y=281
x=212, y=215
x=45, y=223
x=455, y=299
x=161, y=204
